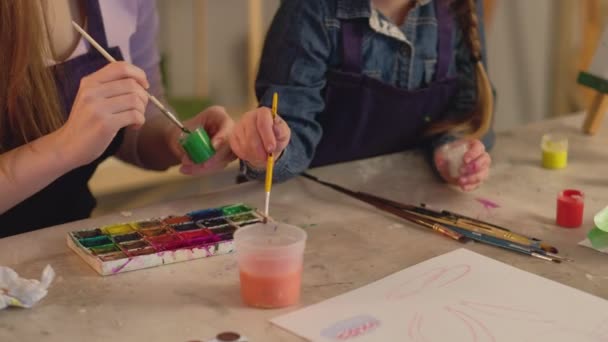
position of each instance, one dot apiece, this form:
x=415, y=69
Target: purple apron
x=68, y=198
x=365, y=117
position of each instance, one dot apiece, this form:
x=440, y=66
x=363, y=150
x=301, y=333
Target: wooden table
x=350, y=245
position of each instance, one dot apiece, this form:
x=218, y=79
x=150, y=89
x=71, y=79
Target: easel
x=597, y=79
x=596, y=112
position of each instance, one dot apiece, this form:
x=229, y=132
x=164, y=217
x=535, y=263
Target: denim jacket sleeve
x=293, y=64
x=466, y=98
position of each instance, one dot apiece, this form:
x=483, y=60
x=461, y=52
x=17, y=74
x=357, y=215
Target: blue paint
x=206, y=214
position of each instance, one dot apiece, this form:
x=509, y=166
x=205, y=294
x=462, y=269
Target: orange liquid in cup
x=271, y=291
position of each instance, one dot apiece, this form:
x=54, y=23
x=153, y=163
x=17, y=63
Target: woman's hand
x=218, y=125
x=107, y=100
x=257, y=134
x=475, y=167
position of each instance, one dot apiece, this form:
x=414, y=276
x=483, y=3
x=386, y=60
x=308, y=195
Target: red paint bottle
x=570, y=205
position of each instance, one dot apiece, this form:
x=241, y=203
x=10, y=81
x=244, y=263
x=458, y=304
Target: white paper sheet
x=459, y=296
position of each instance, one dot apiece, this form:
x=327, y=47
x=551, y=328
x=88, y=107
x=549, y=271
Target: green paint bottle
x=198, y=145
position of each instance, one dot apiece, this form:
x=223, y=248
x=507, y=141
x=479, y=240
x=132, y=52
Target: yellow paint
x=555, y=152
x=118, y=229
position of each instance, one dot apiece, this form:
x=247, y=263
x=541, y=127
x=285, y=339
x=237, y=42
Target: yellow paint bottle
x=555, y=151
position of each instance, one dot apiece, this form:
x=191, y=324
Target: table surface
x=350, y=244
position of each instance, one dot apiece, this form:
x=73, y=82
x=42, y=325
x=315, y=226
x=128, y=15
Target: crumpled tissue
x=20, y=292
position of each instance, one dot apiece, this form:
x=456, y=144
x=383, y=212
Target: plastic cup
x=270, y=258
x=198, y=145
x=454, y=156
x=601, y=220
x=555, y=151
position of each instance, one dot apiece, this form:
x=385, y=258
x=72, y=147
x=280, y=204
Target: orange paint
x=271, y=291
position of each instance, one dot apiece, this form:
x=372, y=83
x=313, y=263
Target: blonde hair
x=478, y=122
x=29, y=102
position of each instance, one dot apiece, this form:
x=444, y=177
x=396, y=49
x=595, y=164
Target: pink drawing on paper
x=436, y=278
x=351, y=328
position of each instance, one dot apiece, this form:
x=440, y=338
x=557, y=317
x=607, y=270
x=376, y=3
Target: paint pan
x=172, y=220
x=212, y=223
x=223, y=230
x=206, y=214
x=198, y=237
x=242, y=218
x=230, y=210
x=166, y=242
x=182, y=227
x=154, y=232
x=126, y=237
x=83, y=234
x=124, y=247
x=118, y=229
x=96, y=241
x=105, y=249
x=142, y=251
x=134, y=245
x=152, y=224
x=112, y=256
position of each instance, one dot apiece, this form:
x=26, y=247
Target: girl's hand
x=257, y=134
x=107, y=100
x=218, y=124
x=475, y=167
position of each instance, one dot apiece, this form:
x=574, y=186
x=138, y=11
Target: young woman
x=64, y=108
x=360, y=78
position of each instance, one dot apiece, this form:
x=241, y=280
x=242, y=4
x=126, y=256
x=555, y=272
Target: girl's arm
x=293, y=64
x=476, y=161
x=466, y=97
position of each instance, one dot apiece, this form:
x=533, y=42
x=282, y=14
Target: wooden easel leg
x=596, y=113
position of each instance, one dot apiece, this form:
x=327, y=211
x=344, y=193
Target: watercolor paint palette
x=136, y=245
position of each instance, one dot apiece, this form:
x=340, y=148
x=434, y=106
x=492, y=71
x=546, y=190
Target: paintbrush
x=485, y=228
x=534, y=252
x=469, y=223
x=270, y=161
x=427, y=218
x=154, y=100
x=386, y=207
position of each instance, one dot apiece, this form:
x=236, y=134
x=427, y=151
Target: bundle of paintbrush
x=455, y=226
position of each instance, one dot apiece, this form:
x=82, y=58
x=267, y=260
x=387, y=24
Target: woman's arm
x=148, y=147
x=29, y=168
x=107, y=100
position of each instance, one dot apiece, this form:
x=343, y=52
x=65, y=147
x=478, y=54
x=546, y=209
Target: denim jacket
x=304, y=42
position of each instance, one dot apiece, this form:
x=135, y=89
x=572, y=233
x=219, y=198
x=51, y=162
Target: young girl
x=64, y=108
x=360, y=78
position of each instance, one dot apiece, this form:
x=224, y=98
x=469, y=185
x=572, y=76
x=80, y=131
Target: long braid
x=478, y=122
x=466, y=14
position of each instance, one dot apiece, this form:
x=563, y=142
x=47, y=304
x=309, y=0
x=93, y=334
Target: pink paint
x=469, y=321
x=412, y=325
x=505, y=312
x=119, y=268
x=488, y=204
x=437, y=278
